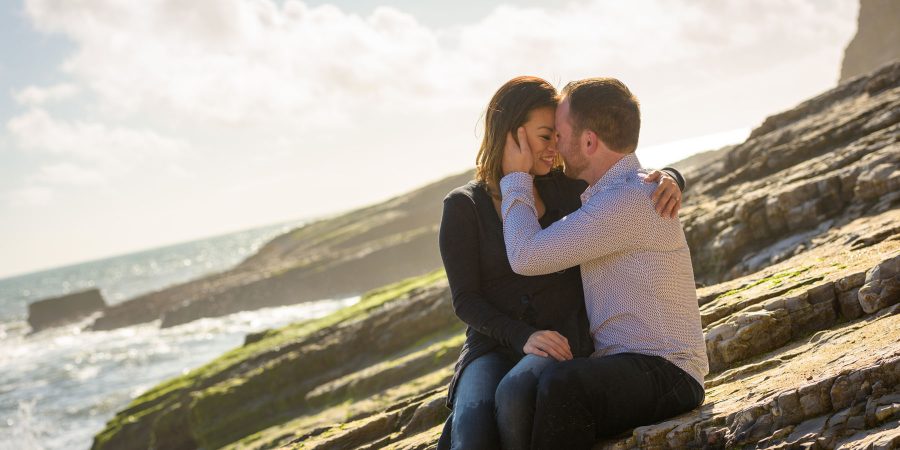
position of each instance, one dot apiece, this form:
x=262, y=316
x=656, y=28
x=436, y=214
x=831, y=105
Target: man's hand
x=548, y=343
x=517, y=157
x=667, y=196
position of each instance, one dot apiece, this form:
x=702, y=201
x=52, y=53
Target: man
x=650, y=358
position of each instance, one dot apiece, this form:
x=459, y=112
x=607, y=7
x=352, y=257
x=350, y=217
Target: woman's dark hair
x=508, y=109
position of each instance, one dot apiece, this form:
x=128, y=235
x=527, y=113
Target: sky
x=126, y=125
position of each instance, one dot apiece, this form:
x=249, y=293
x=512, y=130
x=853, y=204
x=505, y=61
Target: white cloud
x=30, y=196
x=253, y=61
x=68, y=174
x=36, y=96
x=86, y=154
x=110, y=147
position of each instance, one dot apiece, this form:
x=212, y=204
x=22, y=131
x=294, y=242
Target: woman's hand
x=667, y=196
x=517, y=157
x=548, y=343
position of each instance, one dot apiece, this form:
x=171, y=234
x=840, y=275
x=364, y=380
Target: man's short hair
x=606, y=107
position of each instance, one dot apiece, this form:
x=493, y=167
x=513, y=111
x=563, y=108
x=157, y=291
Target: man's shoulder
x=632, y=190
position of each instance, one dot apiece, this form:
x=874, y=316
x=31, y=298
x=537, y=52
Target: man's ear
x=590, y=142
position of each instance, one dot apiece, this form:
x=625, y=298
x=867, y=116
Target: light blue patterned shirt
x=636, y=266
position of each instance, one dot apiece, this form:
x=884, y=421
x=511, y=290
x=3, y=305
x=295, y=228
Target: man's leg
x=515, y=401
x=473, y=423
x=585, y=399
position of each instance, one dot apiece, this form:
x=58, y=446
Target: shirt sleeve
x=459, y=245
x=598, y=228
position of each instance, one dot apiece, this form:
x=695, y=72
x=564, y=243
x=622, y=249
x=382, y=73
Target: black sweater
x=501, y=308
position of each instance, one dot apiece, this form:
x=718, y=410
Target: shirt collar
x=626, y=166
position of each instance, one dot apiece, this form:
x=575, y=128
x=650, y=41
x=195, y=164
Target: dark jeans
x=585, y=399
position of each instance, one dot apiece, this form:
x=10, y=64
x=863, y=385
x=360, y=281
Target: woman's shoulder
x=558, y=179
x=467, y=193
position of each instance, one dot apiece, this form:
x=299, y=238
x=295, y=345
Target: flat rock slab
x=68, y=308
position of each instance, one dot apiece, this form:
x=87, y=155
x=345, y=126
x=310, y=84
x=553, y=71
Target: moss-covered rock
x=254, y=386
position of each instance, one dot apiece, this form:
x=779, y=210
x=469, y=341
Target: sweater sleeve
x=679, y=178
x=459, y=245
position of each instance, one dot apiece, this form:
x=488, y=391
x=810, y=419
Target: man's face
x=569, y=145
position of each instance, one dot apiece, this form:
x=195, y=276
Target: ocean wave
x=78, y=379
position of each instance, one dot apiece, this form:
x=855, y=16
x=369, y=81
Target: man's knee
x=557, y=380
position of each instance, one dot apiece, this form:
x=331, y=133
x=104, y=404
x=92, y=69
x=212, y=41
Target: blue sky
x=128, y=125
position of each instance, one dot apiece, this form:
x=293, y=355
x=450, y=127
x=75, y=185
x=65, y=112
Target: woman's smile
x=548, y=158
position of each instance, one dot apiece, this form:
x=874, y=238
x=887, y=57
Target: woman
x=510, y=315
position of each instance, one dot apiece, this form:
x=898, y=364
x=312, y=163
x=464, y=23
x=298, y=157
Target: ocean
x=59, y=387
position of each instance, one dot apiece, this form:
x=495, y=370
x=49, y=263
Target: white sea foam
x=77, y=380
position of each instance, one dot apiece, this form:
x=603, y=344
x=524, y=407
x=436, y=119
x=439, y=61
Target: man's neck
x=601, y=166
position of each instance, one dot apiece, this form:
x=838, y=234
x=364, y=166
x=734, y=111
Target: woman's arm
x=459, y=244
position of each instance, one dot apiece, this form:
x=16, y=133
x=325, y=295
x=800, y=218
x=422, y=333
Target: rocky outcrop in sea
x=795, y=236
x=52, y=312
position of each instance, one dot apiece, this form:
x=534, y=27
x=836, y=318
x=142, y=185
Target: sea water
x=59, y=387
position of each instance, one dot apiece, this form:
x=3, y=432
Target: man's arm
x=599, y=228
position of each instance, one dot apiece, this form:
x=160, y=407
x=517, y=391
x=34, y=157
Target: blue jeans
x=472, y=421
x=515, y=401
x=494, y=390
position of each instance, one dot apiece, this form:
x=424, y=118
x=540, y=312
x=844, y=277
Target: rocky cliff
x=877, y=40
x=795, y=234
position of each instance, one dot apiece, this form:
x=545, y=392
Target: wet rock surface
x=795, y=234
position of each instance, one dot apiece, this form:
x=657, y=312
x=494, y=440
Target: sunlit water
x=59, y=387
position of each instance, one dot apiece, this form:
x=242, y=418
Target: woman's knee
x=518, y=389
x=515, y=390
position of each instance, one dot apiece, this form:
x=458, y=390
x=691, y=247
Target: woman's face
x=541, y=135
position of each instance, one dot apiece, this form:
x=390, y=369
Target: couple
x=577, y=290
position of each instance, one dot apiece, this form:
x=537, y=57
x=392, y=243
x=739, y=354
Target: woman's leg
x=473, y=423
x=515, y=400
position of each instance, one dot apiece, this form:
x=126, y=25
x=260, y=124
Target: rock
x=886, y=412
x=427, y=415
x=849, y=304
x=68, y=308
x=877, y=39
x=882, y=286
